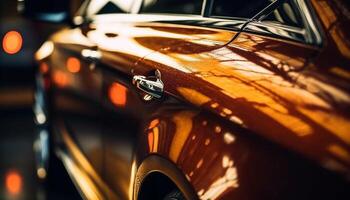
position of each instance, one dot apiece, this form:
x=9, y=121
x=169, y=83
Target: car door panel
x=76, y=94
x=260, y=116
x=219, y=101
x=122, y=114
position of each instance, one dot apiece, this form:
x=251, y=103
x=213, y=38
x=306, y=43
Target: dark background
x=17, y=172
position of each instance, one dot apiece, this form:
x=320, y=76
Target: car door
x=254, y=83
x=128, y=109
x=76, y=98
x=78, y=94
x=217, y=98
x=124, y=111
x=120, y=108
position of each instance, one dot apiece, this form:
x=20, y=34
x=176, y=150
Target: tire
x=174, y=195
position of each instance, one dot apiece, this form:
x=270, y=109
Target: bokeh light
x=117, y=94
x=12, y=42
x=73, y=65
x=60, y=79
x=13, y=182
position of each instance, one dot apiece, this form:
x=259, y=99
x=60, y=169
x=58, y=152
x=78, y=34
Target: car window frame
x=309, y=27
x=311, y=31
x=210, y=15
x=82, y=11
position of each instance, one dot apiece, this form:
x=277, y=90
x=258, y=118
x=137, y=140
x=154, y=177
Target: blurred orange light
x=117, y=94
x=60, y=79
x=73, y=65
x=13, y=182
x=44, y=68
x=12, y=42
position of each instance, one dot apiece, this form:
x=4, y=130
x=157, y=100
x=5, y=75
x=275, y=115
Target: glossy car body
x=263, y=117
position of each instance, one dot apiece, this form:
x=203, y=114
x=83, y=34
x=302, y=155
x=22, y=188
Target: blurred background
x=20, y=38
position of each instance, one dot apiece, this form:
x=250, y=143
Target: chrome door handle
x=151, y=85
x=91, y=55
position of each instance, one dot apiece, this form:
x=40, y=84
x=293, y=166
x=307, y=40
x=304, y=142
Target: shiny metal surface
x=264, y=117
x=153, y=88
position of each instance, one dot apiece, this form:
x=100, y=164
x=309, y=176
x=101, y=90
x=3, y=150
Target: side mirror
x=54, y=11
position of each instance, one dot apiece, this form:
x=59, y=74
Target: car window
x=193, y=7
x=97, y=7
x=287, y=13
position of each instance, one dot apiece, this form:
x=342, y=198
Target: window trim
x=311, y=31
x=312, y=26
x=207, y=7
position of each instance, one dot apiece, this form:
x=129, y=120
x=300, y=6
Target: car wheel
x=174, y=195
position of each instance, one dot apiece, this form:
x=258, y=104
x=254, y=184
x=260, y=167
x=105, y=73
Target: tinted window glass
x=287, y=13
x=238, y=8
x=97, y=7
x=172, y=6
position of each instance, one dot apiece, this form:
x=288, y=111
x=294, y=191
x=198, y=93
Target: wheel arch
x=166, y=170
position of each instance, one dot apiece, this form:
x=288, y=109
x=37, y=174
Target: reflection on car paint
x=73, y=65
x=60, y=78
x=118, y=94
x=280, y=90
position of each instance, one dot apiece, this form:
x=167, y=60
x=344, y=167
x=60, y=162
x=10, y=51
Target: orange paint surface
x=12, y=42
x=117, y=94
x=13, y=182
x=73, y=65
x=153, y=123
x=150, y=141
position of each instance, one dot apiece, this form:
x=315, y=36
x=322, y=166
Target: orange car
x=191, y=99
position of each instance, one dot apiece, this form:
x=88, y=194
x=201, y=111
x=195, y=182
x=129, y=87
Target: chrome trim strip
x=312, y=30
x=276, y=30
x=207, y=7
x=136, y=7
